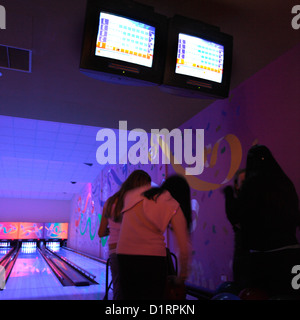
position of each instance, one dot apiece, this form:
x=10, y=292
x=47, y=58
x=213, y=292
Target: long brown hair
x=137, y=178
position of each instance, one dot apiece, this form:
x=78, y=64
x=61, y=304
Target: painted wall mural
x=31, y=230
x=9, y=230
x=56, y=230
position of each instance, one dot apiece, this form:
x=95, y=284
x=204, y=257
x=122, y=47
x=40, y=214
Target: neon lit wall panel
x=56, y=230
x=31, y=230
x=9, y=230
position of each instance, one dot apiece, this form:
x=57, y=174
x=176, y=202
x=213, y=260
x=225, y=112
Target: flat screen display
x=125, y=40
x=199, y=58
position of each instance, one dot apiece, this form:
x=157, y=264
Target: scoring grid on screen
x=124, y=39
x=199, y=58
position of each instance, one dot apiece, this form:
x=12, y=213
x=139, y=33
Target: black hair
x=179, y=190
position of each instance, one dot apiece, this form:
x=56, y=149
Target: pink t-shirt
x=114, y=230
x=144, y=223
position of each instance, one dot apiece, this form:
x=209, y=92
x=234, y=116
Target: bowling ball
x=253, y=294
x=229, y=287
x=225, y=296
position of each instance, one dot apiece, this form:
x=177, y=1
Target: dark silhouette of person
x=268, y=209
x=240, y=254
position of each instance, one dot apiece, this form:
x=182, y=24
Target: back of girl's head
x=261, y=161
x=179, y=190
x=136, y=179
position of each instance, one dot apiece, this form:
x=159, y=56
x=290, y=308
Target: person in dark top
x=240, y=254
x=268, y=210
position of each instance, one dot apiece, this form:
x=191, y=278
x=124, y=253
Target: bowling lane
x=92, y=266
x=32, y=278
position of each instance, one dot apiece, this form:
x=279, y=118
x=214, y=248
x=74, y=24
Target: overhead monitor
x=123, y=42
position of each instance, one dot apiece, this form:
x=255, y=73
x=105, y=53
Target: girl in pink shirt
x=141, y=247
x=112, y=218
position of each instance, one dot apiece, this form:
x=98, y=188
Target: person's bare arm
x=103, y=229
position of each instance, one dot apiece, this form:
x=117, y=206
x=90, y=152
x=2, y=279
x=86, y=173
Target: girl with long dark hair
x=141, y=247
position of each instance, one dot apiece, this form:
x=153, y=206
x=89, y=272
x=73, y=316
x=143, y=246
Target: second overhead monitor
x=198, y=61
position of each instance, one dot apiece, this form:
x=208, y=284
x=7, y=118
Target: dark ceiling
x=55, y=90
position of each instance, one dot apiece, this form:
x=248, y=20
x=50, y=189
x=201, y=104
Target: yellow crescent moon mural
x=201, y=185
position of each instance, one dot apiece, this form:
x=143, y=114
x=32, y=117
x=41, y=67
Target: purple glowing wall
x=264, y=109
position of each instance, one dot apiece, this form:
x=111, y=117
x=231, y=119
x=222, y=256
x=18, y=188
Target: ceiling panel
x=40, y=159
x=49, y=117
